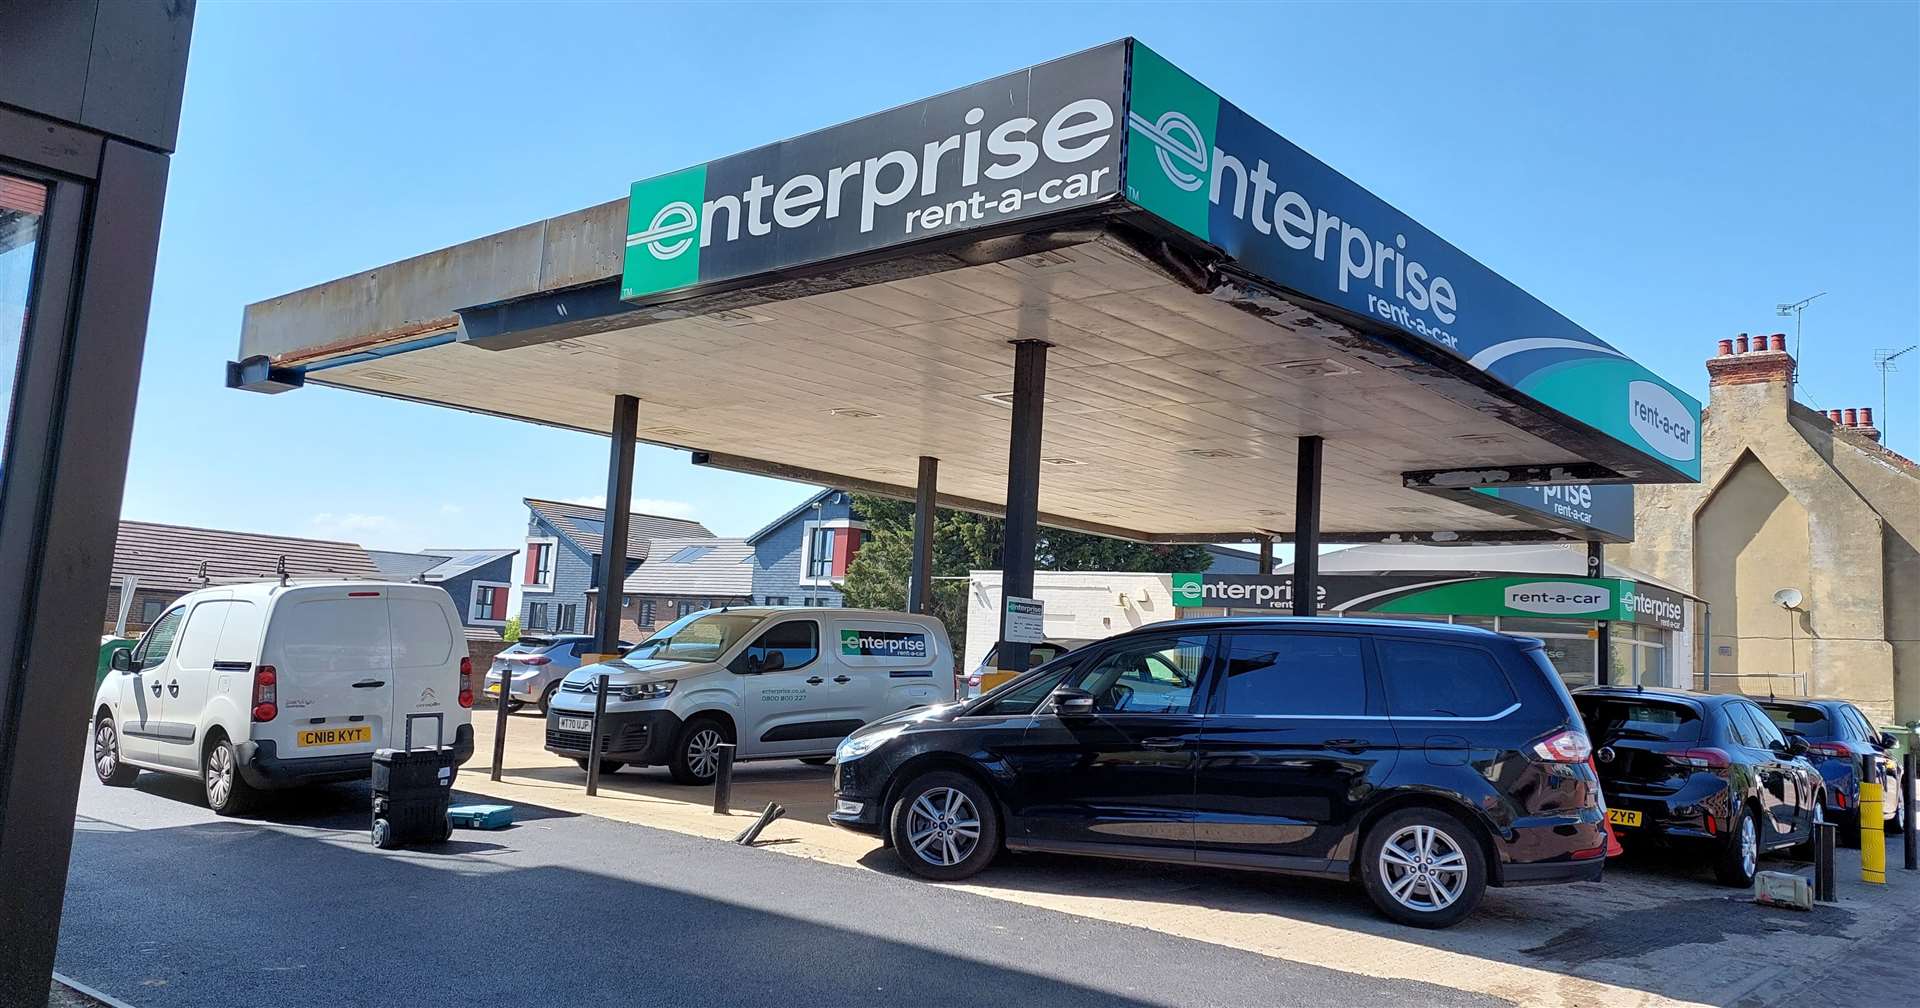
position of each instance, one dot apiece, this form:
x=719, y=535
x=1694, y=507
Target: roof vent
x=1060, y=460
x=1214, y=453
x=1322, y=367
x=852, y=414
x=677, y=435
x=384, y=377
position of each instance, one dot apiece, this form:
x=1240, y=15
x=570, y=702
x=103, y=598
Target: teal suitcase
x=481, y=816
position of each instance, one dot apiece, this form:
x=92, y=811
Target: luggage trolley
x=412, y=789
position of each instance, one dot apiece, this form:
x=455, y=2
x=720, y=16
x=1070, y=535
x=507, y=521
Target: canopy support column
x=1306, y=528
x=1023, y=491
x=611, y=574
x=1266, y=554
x=920, y=577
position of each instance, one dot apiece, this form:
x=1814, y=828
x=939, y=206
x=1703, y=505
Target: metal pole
x=1023, y=490
x=500, y=719
x=593, y=737
x=723, y=781
x=1603, y=629
x=774, y=810
x=1306, y=527
x=612, y=572
x=1910, y=840
x=1266, y=555
x=920, y=578
x=1825, y=836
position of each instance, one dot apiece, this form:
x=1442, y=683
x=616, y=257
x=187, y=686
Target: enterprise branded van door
x=783, y=691
x=889, y=667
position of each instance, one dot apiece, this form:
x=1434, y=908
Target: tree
x=963, y=541
x=511, y=632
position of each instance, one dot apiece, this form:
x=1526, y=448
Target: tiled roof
x=404, y=566
x=170, y=556
x=769, y=527
x=583, y=525
x=433, y=565
x=705, y=567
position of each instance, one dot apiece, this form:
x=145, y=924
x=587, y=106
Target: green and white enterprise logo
x=1189, y=590
x=663, y=232
x=885, y=643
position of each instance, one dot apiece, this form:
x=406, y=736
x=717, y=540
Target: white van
x=272, y=685
x=779, y=683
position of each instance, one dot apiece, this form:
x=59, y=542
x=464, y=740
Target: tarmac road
x=170, y=905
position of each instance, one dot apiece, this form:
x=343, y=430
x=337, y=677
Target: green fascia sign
x=1551, y=596
x=1120, y=125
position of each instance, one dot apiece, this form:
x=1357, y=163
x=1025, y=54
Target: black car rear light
x=1701, y=759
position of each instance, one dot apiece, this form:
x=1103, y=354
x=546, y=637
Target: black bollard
x=1907, y=834
x=1825, y=836
x=500, y=721
x=593, y=737
x=747, y=836
x=723, y=781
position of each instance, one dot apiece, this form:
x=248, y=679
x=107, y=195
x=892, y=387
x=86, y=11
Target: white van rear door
x=331, y=650
x=427, y=651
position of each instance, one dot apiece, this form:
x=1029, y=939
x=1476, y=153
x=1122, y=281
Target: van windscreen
x=701, y=637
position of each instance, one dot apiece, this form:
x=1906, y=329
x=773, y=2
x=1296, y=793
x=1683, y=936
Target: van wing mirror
x=122, y=660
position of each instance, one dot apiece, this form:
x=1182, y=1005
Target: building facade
x=558, y=565
x=1803, y=535
x=163, y=562
x=682, y=577
x=801, y=557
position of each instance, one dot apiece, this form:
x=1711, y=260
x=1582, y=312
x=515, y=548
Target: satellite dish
x=1787, y=598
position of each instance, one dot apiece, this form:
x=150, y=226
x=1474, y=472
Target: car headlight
x=648, y=690
x=853, y=748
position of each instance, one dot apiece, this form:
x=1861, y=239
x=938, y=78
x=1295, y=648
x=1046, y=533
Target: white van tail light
x=466, y=682
x=266, y=695
x=1563, y=747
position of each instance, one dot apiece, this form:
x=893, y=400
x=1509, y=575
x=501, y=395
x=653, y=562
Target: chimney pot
x=1726, y=347
x=1740, y=342
x=1834, y=415
x=1853, y=418
x=1866, y=416
x=1780, y=342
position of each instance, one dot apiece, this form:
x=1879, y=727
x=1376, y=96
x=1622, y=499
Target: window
x=1807, y=720
x=201, y=633
x=790, y=645
x=1293, y=673
x=646, y=613
x=488, y=603
x=684, y=607
x=1426, y=680
x=421, y=636
x=702, y=638
x=1609, y=719
x=776, y=600
x=1861, y=724
x=150, y=610
x=569, y=612
x=820, y=552
x=1037, y=655
x=1763, y=727
x=1023, y=698
x=1152, y=676
x=537, y=616
x=689, y=554
x=539, y=570
x=158, y=643
x=1740, y=727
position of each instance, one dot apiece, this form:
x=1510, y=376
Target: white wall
x=1079, y=606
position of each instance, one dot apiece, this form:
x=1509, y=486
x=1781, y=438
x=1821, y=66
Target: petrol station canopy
x=831, y=307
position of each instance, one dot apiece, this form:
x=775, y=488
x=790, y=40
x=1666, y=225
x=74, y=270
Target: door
x=331, y=650
x=141, y=690
x=1781, y=788
x=426, y=666
x=789, y=699
x=1120, y=778
x=186, y=677
x=1296, y=741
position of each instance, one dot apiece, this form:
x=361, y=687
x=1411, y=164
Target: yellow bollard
x=1873, y=840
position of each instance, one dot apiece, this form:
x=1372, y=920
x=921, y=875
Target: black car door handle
x=1163, y=743
x=841, y=679
x=369, y=683
x=155, y=687
x=815, y=681
x=173, y=688
x=1354, y=744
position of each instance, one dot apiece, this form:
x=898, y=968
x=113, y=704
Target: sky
x=1664, y=175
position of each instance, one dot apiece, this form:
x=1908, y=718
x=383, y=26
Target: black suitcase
x=412, y=789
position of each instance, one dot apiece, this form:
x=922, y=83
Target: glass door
x=23, y=205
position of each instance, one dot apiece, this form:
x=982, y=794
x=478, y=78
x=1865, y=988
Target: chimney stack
x=1866, y=423
x=1752, y=360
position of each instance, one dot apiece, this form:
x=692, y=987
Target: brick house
x=168, y=561
x=557, y=568
x=683, y=576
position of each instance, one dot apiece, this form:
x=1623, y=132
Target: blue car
x=1838, y=735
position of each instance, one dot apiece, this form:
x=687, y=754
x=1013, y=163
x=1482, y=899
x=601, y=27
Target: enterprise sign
x=1435, y=594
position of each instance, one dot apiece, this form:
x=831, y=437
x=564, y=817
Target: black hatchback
x=1702, y=773
x=1423, y=760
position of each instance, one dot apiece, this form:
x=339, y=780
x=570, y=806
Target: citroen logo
x=1182, y=151
x=671, y=232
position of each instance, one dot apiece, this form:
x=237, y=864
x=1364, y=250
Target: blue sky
x=1662, y=174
